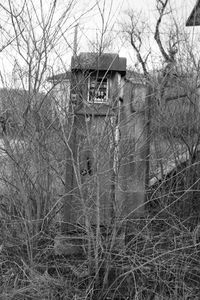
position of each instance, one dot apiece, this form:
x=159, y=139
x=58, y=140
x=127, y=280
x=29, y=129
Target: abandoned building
x=104, y=121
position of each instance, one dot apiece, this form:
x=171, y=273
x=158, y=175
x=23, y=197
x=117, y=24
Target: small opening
x=86, y=164
x=89, y=166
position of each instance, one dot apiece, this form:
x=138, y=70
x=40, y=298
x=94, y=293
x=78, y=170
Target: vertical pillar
x=132, y=150
x=70, y=136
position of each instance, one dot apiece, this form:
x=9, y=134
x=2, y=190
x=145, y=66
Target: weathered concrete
x=131, y=181
x=89, y=171
x=69, y=245
x=106, y=155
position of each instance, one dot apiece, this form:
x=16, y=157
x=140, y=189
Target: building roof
x=194, y=18
x=60, y=77
x=103, y=62
x=93, y=62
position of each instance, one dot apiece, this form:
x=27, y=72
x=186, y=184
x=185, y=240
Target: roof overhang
x=194, y=18
x=95, y=62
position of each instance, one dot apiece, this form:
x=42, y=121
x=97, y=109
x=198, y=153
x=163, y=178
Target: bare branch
x=135, y=30
x=161, y=7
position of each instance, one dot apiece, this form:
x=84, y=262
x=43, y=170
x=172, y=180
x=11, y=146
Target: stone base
x=69, y=245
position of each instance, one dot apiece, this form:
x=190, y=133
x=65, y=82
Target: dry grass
x=160, y=261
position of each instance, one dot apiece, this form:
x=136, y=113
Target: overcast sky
x=90, y=24
x=87, y=14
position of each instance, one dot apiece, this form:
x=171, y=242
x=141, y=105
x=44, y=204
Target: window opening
x=98, y=90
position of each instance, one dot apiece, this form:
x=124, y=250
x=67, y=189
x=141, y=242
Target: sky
x=90, y=25
x=88, y=15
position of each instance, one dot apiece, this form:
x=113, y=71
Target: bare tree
x=172, y=91
x=30, y=136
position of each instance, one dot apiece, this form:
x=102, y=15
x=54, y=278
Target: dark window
x=89, y=166
x=98, y=90
x=86, y=163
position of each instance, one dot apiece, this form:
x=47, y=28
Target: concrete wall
x=105, y=174
x=88, y=180
x=132, y=146
x=89, y=167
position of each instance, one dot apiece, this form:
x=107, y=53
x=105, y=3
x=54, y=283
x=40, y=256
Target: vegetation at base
x=159, y=261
